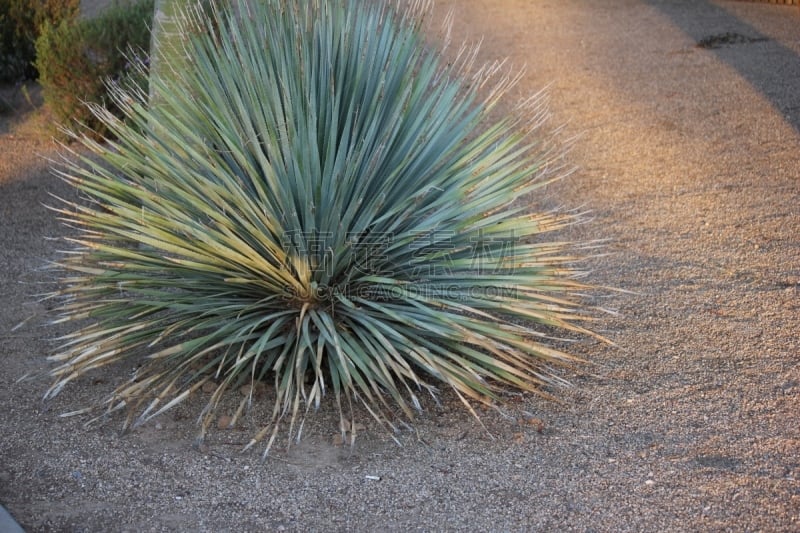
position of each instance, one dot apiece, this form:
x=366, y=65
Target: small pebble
x=257, y=389
x=538, y=423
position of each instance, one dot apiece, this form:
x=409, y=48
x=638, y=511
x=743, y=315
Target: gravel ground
x=688, y=163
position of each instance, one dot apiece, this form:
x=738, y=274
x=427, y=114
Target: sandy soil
x=689, y=162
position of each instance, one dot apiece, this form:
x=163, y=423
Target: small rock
x=536, y=423
x=256, y=388
x=224, y=422
x=649, y=482
x=209, y=387
x=159, y=425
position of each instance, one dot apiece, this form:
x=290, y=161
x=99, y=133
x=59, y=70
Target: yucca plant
x=318, y=201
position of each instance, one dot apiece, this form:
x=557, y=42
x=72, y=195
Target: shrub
x=77, y=59
x=20, y=23
x=317, y=201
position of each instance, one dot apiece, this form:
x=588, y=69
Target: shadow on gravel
x=767, y=65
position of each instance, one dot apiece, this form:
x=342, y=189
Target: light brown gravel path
x=690, y=164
